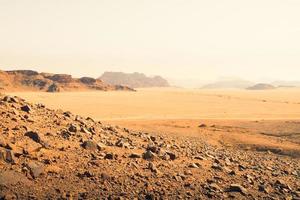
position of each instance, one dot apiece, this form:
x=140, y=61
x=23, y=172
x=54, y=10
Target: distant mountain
x=286, y=83
x=28, y=80
x=223, y=84
x=133, y=80
x=261, y=86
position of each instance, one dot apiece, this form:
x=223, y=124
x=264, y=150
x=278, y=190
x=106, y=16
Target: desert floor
x=254, y=120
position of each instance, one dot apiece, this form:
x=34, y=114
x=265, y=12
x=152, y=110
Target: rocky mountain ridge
x=134, y=80
x=28, y=80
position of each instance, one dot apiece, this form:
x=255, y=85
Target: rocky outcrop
x=134, y=80
x=28, y=80
x=53, y=88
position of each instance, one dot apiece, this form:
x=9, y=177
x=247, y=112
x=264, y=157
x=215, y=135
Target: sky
x=178, y=39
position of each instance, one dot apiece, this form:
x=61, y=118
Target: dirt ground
x=258, y=120
x=207, y=144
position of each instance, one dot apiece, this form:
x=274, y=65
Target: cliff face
x=134, y=80
x=28, y=80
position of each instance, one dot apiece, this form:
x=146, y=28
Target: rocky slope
x=55, y=154
x=27, y=80
x=134, y=80
x=261, y=86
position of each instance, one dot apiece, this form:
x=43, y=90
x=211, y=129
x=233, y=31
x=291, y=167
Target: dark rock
x=172, y=155
x=202, y=126
x=7, y=155
x=34, y=136
x=26, y=108
x=90, y=145
x=10, y=99
x=149, y=155
x=134, y=155
x=110, y=156
x=73, y=128
x=10, y=158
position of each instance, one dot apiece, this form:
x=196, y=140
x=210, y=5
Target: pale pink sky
x=196, y=39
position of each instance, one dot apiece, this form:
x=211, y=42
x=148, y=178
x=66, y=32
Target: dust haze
x=149, y=100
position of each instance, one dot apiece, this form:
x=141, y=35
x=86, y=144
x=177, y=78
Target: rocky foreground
x=52, y=154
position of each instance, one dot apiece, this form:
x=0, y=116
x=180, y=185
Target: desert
x=149, y=100
x=214, y=144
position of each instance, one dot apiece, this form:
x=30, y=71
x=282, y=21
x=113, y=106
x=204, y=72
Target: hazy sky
x=196, y=39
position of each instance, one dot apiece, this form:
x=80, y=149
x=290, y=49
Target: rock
x=135, y=155
x=237, y=188
x=122, y=143
x=152, y=138
x=215, y=187
x=90, y=145
x=110, y=156
x=34, y=136
x=84, y=130
x=192, y=165
x=73, y=128
x=264, y=188
x=202, y=126
x=26, y=108
x=67, y=114
x=10, y=158
x=35, y=169
x=172, y=155
x=10, y=99
x=149, y=155
x=153, y=168
x=217, y=166
x=7, y=155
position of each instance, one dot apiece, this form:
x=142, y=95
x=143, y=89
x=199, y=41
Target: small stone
x=193, y=165
x=34, y=136
x=237, y=188
x=153, y=168
x=172, y=155
x=148, y=155
x=264, y=188
x=10, y=99
x=10, y=158
x=90, y=145
x=73, y=128
x=109, y=156
x=35, y=169
x=26, y=108
x=202, y=126
x=135, y=155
